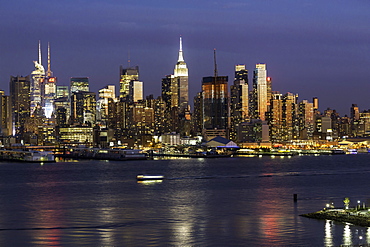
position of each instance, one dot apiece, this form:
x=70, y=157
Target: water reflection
x=347, y=235
x=329, y=233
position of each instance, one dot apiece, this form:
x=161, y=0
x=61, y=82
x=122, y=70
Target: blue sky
x=313, y=48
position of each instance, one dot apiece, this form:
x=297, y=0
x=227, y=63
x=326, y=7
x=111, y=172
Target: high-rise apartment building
x=19, y=88
x=260, y=92
x=239, y=100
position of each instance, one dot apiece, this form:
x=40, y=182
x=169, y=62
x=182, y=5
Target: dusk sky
x=313, y=48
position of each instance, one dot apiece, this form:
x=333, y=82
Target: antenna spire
x=129, y=58
x=181, y=56
x=40, y=52
x=49, y=73
x=214, y=58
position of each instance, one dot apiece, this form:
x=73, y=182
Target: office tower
x=5, y=115
x=38, y=76
x=306, y=120
x=215, y=104
x=136, y=91
x=239, y=100
x=62, y=91
x=181, y=76
x=48, y=91
x=126, y=76
x=282, y=117
x=83, y=108
x=260, y=100
x=79, y=84
x=19, y=88
x=107, y=95
x=170, y=97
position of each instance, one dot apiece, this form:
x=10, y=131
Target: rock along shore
x=341, y=216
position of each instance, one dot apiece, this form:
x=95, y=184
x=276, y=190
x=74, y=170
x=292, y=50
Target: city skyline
x=310, y=49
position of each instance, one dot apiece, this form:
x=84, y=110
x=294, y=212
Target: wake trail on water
x=277, y=174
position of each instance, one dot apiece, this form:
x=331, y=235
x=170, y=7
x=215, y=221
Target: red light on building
x=268, y=78
x=52, y=79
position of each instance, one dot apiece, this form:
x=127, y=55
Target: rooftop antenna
x=214, y=58
x=49, y=73
x=39, y=52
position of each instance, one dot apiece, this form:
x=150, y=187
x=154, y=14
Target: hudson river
x=202, y=202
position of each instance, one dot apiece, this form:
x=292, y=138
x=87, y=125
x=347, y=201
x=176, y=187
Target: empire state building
x=181, y=76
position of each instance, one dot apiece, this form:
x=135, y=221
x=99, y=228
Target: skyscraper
x=48, y=90
x=19, y=88
x=215, y=102
x=126, y=76
x=38, y=76
x=181, y=76
x=239, y=100
x=79, y=84
x=260, y=98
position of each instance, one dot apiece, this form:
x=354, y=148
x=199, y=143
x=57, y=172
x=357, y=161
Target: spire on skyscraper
x=49, y=73
x=181, y=56
x=215, y=62
x=40, y=62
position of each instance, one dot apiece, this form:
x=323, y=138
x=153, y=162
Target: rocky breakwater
x=353, y=216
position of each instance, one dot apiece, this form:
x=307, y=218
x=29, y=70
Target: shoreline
x=340, y=216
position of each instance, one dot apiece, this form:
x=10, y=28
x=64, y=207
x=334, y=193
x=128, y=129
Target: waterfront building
x=6, y=123
x=239, y=100
x=79, y=84
x=76, y=135
x=19, y=87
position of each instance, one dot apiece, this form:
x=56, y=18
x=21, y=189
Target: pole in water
x=295, y=197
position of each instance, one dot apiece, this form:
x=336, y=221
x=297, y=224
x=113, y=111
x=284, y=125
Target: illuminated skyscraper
x=79, y=84
x=181, y=76
x=83, y=108
x=260, y=99
x=38, y=76
x=48, y=91
x=215, y=103
x=239, y=104
x=126, y=76
x=19, y=88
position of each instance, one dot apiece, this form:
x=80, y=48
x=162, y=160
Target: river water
x=241, y=201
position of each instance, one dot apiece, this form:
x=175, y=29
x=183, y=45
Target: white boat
x=142, y=177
